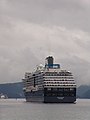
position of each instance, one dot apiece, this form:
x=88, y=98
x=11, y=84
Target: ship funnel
x=49, y=62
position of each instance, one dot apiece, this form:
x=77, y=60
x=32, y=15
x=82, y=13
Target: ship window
x=66, y=94
x=71, y=89
x=54, y=89
x=60, y=94
x=71, y=94
x=45, y=89
x=66, y=89
x=60, y=89
x=49, y=89
x=48, y=94
x=53, y=94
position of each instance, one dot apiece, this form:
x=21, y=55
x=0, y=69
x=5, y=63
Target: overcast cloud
x=30, y=30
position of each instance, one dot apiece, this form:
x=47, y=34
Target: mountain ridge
x=15, y=90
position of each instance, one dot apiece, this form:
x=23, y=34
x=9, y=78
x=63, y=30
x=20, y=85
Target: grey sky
x=30, y=30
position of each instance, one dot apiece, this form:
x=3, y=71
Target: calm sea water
x=11, y=109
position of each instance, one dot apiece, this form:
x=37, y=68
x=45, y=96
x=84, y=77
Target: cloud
x=71, y=13
x=31, y=30
x=24, y=45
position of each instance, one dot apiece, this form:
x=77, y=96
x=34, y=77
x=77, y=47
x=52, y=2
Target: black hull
x=52, y=99
x=47, y=99
x=59, y=99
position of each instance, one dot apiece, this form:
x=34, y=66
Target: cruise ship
x=49, y=84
